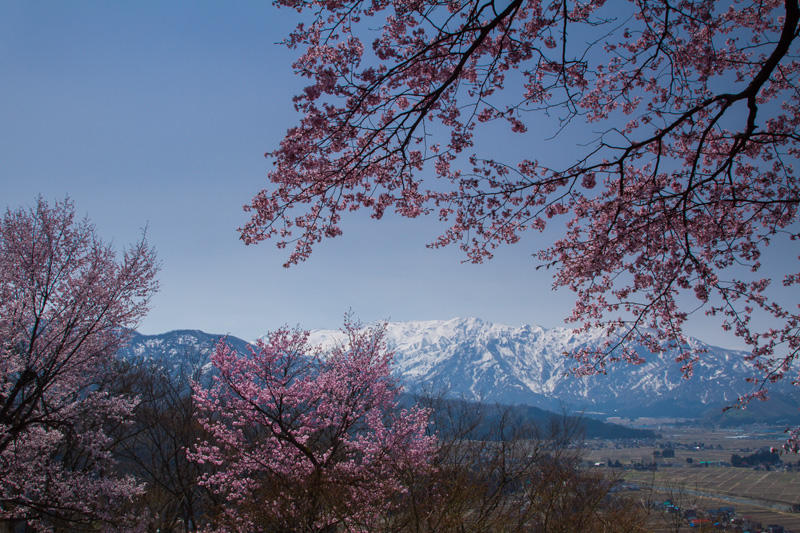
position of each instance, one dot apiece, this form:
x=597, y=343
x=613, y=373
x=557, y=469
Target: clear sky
x=158, y=114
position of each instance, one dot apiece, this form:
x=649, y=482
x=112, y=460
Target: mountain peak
x=476, y=359
x=480, y=360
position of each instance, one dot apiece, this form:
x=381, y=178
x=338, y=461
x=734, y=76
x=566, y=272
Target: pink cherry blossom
x=66, y=305
x=690, y=175
x=306, y=439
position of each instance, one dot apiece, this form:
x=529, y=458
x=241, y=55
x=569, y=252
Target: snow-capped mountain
x=527, y=365
x=479, y=360
x=185, y=352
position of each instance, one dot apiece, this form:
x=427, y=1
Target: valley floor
x=699, y=476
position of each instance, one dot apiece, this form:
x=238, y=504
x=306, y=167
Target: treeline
x=492, y=468
x=488, y=468
x=765, y=457
x=281, y=436
x=590, y=428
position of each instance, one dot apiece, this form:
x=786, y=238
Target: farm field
x=768, y=487
x=762, y=496
x=664, y=522
x=693, y=478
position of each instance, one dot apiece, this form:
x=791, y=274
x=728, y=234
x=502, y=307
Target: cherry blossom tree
x=305, y=439
x=688, y=176
x=66, y=302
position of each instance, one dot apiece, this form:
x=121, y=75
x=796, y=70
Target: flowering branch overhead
x=690, y=177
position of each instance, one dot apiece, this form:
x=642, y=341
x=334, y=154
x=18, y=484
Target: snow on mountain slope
x=479, y=360
x=183, y=351
x=495, y=362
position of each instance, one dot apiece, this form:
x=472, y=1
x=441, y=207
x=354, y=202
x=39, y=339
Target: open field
x=694, y=479
x=696, y=444
x=780, y=488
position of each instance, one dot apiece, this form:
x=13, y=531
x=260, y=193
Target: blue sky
x=158, y=114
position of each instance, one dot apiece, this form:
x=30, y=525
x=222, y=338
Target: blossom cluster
x=689, y=177
x=306, y=440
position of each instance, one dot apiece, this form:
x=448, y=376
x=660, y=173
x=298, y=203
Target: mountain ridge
x=474, y=359
x=486, y=361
